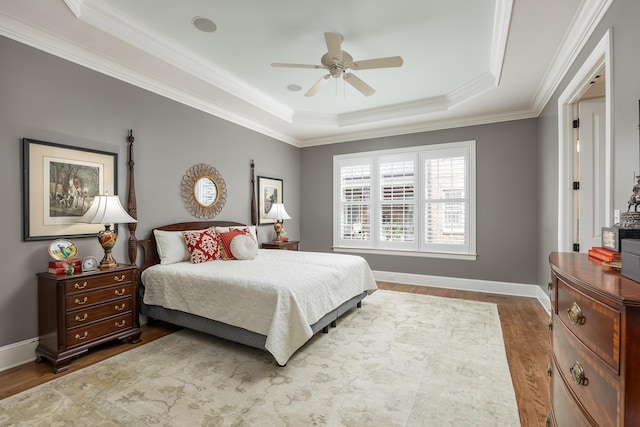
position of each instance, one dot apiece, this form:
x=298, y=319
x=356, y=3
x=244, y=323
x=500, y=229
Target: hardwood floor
x=524, y=327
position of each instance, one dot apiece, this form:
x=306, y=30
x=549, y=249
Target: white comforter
x=277, y=294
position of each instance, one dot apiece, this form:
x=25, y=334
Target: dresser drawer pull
x=83, y=318
x=83, y=336
x=577, y=374
x=121, y=307
x=550, y=324
x=120, y=293
x=84, y=300
x=120, y=279
x=549, y=370
x=550, y=285
x=79, y=286
x=121, y=324
x=575, y=314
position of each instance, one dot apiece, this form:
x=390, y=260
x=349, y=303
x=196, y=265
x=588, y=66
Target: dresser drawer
x=595, y=324
x=103, y=295
x=86, y=334
x=88, y=315
x=565, y=410
x=600, y=389
x=84, y=283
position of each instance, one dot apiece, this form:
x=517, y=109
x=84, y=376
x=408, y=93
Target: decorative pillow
x=250, y=228
x=243, y=247
x=171, y=246
x=202, y=244
x=224, y=239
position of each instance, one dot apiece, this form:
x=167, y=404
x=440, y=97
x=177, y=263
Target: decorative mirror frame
x=191, y=203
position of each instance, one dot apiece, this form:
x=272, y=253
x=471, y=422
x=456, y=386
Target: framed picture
x=269, y=192
x=59, y=184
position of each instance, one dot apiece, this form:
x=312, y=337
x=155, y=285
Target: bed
x=275, y=301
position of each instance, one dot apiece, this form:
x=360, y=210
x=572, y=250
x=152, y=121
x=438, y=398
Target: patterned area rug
x=400, y=360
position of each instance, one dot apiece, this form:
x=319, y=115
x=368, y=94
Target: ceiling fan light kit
x=337, y=62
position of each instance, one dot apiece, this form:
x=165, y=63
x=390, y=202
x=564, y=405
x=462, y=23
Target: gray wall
x=50, y=99
x=622, y=19
x=507, y=195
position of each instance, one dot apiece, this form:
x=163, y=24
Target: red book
x=599, y=256
x=61, y=270
x=56, y=264
x=605, y=254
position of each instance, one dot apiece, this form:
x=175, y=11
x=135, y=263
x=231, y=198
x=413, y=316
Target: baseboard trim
x=460, y=284
x=23, y=352
x=18, y=353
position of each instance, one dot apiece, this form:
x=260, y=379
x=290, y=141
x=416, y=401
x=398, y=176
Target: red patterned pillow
x=224, y=239
x=202, y=245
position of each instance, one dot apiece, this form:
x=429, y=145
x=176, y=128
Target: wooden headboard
x=149, y=244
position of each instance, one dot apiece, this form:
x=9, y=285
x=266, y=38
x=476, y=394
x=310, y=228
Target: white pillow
x=171, y=246
x=243, y=247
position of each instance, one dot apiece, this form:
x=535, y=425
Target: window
x=413, y=201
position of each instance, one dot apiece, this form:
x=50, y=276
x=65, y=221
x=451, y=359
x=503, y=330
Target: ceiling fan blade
x=334, y=46
x=391, y=61
x=280, y=64
x=354, y=81
x=316, y=87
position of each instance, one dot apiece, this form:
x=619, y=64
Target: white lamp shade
x=277, y=212
x=106, y=210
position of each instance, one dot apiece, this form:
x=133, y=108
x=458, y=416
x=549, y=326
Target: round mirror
x=204, y=192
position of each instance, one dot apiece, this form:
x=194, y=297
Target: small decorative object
x=279, y=214
x=62, y=250
x=107, y=210
x=631, y=219
x=89, y=264
x=68, y=269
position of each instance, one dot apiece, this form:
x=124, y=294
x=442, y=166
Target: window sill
x=447, y=255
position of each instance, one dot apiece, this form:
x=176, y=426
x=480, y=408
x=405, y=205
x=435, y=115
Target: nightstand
x=83, y=310
x=291, y=245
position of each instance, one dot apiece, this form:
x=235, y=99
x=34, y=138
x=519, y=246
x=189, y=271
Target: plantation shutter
x=355, y=201
x=397, y=201
x=445, y=200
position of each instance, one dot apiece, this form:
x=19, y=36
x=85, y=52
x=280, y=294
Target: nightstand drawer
x=84, y=335
x=89, y=315
x=290, y=245
x=89, y=298
x=84, y=283
x=595, y=324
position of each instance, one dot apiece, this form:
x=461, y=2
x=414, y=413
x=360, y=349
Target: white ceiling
x=465, y=61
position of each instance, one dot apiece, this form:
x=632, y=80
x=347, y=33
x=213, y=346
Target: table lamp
x=107, y=210
x=279, y=213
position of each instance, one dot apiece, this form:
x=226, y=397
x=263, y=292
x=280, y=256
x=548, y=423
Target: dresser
x=289, y=245
x=83, y=310
x=595, y=344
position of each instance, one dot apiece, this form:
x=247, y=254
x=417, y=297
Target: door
x=590, y=168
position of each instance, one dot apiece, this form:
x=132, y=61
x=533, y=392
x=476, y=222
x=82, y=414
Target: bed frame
x=191, y=321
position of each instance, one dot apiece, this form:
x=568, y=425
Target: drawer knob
x=121, y=324
x=83, y=318
x=83, y=336
x=84, y=300
x=120, y=293
x=550, y=285
x=120, y=307
x=575, y=314
x=79, y=286
x=120, y=278
x=549, y=370
x=577, y=374
x=550, y=324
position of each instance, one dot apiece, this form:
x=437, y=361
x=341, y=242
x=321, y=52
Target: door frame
x=598, y=61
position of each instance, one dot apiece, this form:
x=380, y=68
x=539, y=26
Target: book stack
x=604, y=254
x=59, y=267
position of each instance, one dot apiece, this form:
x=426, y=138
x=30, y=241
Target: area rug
x=400, y=360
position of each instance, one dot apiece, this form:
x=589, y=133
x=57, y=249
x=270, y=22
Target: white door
x=591, y=171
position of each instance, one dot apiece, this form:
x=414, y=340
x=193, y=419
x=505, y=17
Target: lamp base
x=107, y=239
x=281, y=234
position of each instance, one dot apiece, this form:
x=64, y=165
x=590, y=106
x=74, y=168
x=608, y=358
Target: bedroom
x=51, y=99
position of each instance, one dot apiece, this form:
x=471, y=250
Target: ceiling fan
x=337, y=62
